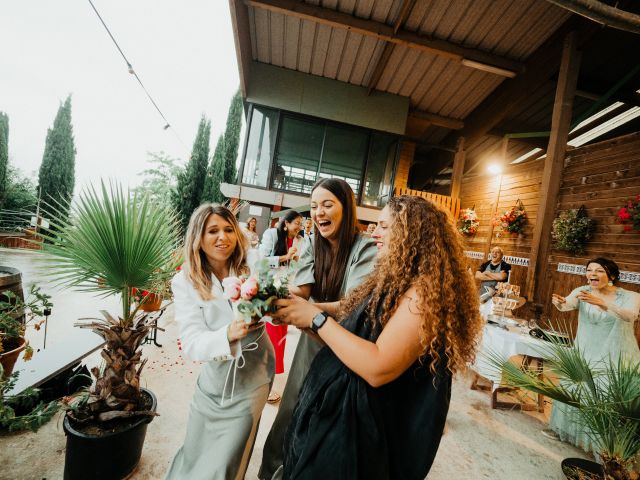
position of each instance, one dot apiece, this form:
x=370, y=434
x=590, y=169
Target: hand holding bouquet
x=253, y=295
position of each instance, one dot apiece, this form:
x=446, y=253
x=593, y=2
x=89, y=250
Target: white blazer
x=203, y=323
x=268, y=246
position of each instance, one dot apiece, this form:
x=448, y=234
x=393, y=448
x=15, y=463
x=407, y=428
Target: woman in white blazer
x=282, y=243
x=233, y=386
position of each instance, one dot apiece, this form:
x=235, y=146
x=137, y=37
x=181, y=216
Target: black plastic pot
x=110, y=456
x=572, y=464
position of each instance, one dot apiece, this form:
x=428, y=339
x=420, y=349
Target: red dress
x=278, y=334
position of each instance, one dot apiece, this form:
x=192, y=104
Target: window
x=308, y=148
x=377, y=184
x=343, y=156
x=262, y=136
x=298, y=155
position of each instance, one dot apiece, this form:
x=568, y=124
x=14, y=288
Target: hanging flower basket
x=513, y=220
x=468, y=223
x=571, y=230
x=629, y=215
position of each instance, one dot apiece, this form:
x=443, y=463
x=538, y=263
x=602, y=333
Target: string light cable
x=130, y=69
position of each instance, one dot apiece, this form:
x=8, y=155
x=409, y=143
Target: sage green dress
x=360, y=264
x=231, y=391
x=602, y=336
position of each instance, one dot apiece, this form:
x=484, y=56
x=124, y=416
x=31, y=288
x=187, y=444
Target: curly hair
x=425, y=251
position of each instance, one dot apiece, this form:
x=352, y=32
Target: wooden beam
x=458, y=169
x=381, y=31
x=378, y=70
x=539, y=69
x=438, y=120
x=242, y=39
x=553, y=165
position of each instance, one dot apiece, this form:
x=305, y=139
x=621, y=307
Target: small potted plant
x=605, y=396
x=111, y=242
x=571, y=230
x=15, y=316
x=468, y=223
x=514, y=220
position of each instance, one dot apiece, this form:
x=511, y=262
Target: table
x=507, y=343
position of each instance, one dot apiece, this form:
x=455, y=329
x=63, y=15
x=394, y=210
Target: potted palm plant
x=110, y=243
x=606, y=397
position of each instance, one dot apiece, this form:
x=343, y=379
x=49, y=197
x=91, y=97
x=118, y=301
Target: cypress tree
x=191, y=180
x=4, y=155
x=232, y=138
x=215, y=175
x=57, y=171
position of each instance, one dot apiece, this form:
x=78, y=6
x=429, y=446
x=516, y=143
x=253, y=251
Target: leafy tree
x=215, y=175
x=57, y=171
x=21, y=193
x=4, y=154
x=159, y=181
x=191, y=181
x=232, y=138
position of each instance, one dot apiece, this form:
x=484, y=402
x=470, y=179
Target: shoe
x=547, y=432
x=274, y=397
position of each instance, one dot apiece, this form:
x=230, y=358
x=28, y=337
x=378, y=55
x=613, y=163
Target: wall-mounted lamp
x=494, y=169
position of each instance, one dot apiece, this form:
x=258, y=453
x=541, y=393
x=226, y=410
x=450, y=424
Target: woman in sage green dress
x=232, y=387
x=332, y=261
x=606, y=318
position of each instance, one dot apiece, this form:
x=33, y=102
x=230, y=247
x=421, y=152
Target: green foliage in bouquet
x=571, y=230
x=254, y=295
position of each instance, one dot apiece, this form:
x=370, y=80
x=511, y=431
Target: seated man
x=491, y=272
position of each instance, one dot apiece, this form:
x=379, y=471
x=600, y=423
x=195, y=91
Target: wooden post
x=494, y=208
x=458, y=168
x=554, y=163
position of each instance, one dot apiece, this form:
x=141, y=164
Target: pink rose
x=231, y=287
x=249, y=288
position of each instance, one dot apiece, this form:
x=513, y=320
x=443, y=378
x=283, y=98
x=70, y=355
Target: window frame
x=281, y=115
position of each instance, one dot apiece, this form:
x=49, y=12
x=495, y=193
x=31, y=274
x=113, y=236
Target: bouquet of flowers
x=513, y=220
x=253, y=295
x=468, y=223
x=629, y=215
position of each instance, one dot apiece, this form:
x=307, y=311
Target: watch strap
x=318, y=321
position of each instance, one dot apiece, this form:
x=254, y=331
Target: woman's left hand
x=295, y=311
x=592, y=299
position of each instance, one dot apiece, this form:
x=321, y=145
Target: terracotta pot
x=152, y=302
x=8, y=358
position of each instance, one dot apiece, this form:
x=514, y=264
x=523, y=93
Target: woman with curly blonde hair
x=376, y=399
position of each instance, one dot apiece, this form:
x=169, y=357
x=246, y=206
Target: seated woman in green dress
x=375, y=401
x=606, y=317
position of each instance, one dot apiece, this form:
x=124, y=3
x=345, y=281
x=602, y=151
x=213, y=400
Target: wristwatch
x=318, y=321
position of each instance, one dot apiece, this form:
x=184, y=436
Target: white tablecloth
x=506, y=344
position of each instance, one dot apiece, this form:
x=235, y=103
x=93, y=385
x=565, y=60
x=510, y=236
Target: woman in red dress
x=281, y=245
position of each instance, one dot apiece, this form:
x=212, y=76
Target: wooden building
x=424, y=94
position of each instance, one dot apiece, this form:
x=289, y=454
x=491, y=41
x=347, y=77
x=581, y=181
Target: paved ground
x=479, y=443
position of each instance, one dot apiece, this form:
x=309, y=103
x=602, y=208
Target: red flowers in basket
x=629, y=215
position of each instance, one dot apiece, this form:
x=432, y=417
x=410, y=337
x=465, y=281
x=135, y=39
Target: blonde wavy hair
x=425, y=251
x=198, y=270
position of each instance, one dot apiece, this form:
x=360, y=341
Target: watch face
x=318, y=321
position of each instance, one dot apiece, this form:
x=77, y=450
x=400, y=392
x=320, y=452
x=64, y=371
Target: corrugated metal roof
x=510, y=28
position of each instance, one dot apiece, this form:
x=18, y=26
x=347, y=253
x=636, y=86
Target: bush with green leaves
x=571, y=230
x=35, y=414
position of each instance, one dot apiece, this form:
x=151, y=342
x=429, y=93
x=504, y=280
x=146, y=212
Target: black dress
x=342, y=428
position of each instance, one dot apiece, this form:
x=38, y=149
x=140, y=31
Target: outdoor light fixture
x=488, y=68
x=495, y=169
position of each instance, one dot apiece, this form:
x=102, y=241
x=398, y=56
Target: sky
x=183, y=51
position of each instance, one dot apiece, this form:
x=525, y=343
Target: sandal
x=274, y=397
